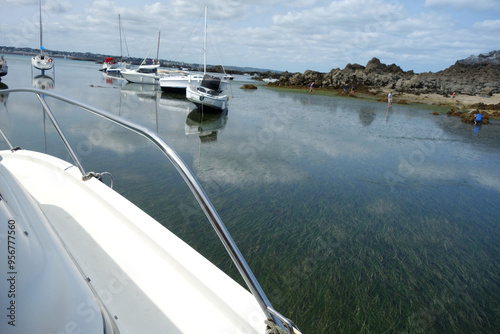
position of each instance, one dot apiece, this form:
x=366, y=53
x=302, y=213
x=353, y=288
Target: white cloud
x=295, y=36
x=492, y=25
x=480, y=5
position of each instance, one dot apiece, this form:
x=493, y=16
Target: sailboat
x=42, y=61
x=110, y=65
x=208, y=95
x=144, y=74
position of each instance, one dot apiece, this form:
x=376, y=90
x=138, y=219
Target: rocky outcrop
x=473, y=75
x=248, y=86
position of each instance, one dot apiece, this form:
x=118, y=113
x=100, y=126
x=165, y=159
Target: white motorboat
x=79, y=257
x=107, y=63
x=117, y=68
x=178, y=80
x=208, y=95
x=4, y=69
x=144, y=74
x=228, y=77
x=111, y=66
x=42, y=61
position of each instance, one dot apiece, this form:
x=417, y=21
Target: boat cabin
x=210, y=85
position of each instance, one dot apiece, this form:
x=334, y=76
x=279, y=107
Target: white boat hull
x=148, y=280
x=179, y=82
x=42, y=62
x=141, y=78
x=105, y=67
x=4, y=69
x=207, y=101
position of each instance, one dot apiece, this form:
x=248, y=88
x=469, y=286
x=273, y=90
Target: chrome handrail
x=193, y=184
x=61, y=134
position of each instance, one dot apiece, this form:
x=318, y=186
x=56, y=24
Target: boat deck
x=147, y=278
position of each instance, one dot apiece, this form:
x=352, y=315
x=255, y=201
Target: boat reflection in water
x=43, y=81
x=138, y=101
x=175, y=103
x=142, y=91
x=113, y=78
x=206, y=126
x=4, y=97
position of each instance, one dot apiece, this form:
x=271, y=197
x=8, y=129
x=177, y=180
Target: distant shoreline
x=99, y=58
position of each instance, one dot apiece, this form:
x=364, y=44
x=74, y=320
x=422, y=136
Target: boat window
x=147, y=70
x=210, y=82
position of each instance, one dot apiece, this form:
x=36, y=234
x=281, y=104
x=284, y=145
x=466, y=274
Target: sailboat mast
x=205, y=45
x=120, y=27
x=158, y=49
x=41, y=42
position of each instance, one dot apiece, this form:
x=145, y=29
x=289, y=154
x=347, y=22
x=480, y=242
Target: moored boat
x=117, y=68
x=42, y=61
x=144, y=74
x=107, y=63
x=4, y=69
x=112, y=66
x=178, y=80
x=208, y=95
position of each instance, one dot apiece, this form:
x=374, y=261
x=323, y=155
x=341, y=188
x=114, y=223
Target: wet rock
x=488, y=91
x=248, y=86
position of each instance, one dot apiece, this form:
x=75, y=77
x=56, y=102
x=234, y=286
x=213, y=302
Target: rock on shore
x=471, y=76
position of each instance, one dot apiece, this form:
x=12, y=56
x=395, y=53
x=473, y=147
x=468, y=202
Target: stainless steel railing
x=282, y=322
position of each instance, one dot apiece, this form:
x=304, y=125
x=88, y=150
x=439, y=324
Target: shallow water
x=355, y=219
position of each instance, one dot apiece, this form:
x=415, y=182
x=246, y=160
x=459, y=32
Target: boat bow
x=174, y=281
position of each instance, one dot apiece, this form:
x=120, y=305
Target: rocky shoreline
x=474, y=80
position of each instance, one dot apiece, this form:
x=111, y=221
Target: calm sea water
x=355, y=219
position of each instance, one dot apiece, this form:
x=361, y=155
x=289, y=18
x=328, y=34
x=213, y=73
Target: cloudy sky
x=287, y=35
